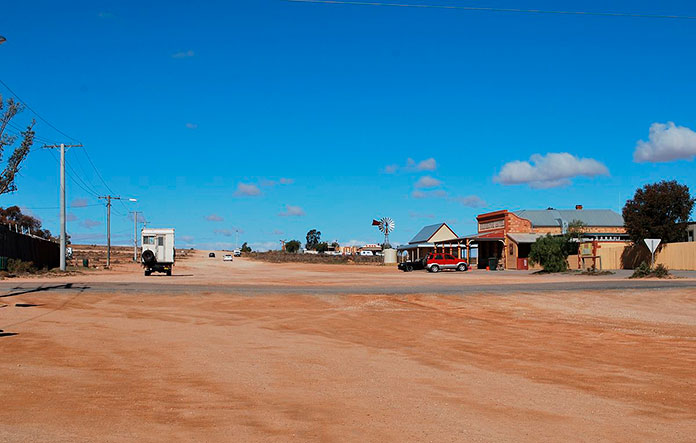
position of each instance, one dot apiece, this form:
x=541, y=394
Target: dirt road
x=211, y=365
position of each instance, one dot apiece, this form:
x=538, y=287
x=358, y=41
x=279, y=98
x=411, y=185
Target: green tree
x=8, y=110
x=313, y=239
x=12, y=215
x=292, y=246
x=552, y=251
x=245, y=247
x=659, y=210
x=322, y=247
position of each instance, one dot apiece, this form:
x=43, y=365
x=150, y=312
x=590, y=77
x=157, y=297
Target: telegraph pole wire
x=487, y=9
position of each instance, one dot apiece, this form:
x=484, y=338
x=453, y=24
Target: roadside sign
x=652, y=244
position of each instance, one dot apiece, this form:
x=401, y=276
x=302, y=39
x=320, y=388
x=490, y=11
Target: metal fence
x=43, y=253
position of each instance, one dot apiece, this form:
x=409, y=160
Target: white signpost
x=652, y=244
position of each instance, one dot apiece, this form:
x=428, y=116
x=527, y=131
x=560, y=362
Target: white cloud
x=214, y=218
x=427, y=182
x=667, y=142
x=286, y=181
x=184, y=54
x=247, y=189
x=267, y=183
x=391, y=169
x=427, y=165
x=191, y=125
x=412, y=166
x=79, y=203
x=472, y=201
x=277, y=232
x=437, y=193
x=70, y=217
x=552, y=170
x=420, y=215
x=292, y=211
x=228, y=232
x=264, y=246
x=188, y=239
x=89, y=224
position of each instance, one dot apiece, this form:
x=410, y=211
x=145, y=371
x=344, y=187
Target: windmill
x=386, y=225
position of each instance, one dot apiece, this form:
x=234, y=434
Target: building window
x=512, y=249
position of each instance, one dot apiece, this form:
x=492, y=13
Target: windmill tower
x=386, y=225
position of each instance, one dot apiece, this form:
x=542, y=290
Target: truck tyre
x=169, y=273
x=434, y=268
x=409, y=268
x=462, y=267
x=147, y=273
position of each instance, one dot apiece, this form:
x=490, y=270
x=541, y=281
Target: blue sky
x=274, y=118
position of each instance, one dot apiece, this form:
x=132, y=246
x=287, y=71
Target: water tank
x=389, y=256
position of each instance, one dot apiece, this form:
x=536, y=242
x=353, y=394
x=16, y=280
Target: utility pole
x=135, y=234
x=62, y=147
x=236, y=239
x=108, y=199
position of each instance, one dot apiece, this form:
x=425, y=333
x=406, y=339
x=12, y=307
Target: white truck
x=157, y=253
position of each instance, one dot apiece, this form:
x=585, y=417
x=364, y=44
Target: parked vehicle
x=436, y=262
x=211, y=255
x=227, y=257
x=237, y=253
x=414, y=265
x=366, y=253
x=158, y=250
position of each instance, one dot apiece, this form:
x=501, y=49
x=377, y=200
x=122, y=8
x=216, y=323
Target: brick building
x=508, y=236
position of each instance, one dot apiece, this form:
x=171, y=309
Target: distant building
x=508, y=236
x=424, y=241
x=691, y=231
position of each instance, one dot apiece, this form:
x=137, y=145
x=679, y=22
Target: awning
x=524, y=238
x=409, y=246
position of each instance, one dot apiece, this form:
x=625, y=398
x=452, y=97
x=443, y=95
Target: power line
x=487, y=9
x=58, y=207
x=36, y=113
x=84, y=188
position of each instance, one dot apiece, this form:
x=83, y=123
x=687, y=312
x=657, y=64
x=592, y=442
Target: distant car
x=436, y=262
x=227, y=257
x=211, y=255
x=237, y=253
x=366, y=253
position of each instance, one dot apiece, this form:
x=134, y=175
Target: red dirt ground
x=205, y=366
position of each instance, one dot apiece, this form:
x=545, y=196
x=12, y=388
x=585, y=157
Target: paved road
x=10, y=289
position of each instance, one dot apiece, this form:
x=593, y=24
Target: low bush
x=644, y=271
x=661, y=271
x=16, y=266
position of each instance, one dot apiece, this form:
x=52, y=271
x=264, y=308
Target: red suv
x=437, y=261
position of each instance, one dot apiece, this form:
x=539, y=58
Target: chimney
x=578, y=207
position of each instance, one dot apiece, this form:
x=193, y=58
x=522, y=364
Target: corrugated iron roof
x=424, y=234
x=590, y=217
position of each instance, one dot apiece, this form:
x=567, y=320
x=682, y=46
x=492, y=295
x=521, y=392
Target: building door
x=522, y=264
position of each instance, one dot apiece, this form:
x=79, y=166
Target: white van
x=366, y=253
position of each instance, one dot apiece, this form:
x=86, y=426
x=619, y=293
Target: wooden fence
x=677, y=256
